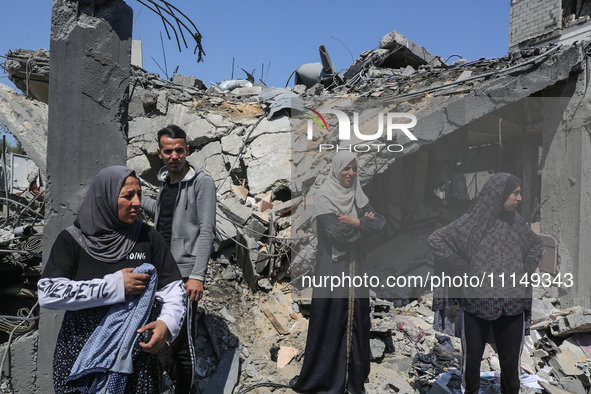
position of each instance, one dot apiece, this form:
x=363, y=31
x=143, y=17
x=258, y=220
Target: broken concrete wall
x=26, y=120
x=21, y=365
x=89, y=79
x=534, y=19
x=566, y=189
x=217, y=130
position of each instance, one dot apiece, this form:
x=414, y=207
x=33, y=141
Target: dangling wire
x=181, y=20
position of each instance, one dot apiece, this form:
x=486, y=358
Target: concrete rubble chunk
x=408, y=71
x=570, y=354
x=404, y=48
x=278, y=124
x=226, y=374
x=572, y=384
x=225, y=231
x=188, y=81
x=27, y=121
x=140, y=164
x=551, y=389
x=210, y=159
x=377, y=347
x=255, y=229
x=162, y=103
x=269, y=167
x=218, y=119
x=232, y=143
x=240, y=191
x=235, y=211
x=571, y=324
x=541, y=310
x=464, y=75
x=247, y=91
x=22, y=369
x=227, y=316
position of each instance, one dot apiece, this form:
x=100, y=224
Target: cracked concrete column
x=89, y=83
x=566, y=187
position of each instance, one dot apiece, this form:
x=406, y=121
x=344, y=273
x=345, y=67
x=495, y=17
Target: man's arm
x=149, y=205
x=206, y=203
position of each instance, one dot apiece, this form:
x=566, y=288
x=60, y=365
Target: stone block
x=255, y=229
x=23, y=363
x=188, y=81
x=377, y=347
x=248, y=91
x=565, y=361
x=270, y=166
x=140, y=164
x=232, y=143
x=225, y=232
x=235, y=211
x=571, y=324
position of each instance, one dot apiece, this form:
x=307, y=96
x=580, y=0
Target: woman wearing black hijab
x=491, y=239
x=116, y=278
x=337, y=355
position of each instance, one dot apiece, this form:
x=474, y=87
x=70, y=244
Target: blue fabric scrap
x=105, y=361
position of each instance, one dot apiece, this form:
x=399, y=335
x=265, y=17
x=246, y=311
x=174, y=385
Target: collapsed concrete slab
x=27, y=121
x=396, y=51
x=29, y=71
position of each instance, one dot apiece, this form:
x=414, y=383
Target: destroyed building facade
x=536, y=23
x=526, y=113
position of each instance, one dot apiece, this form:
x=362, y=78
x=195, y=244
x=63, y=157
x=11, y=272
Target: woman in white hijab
x=337, y=352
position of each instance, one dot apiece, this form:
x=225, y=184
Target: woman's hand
x=134, y=283
x=350, y=220
x=159, y=334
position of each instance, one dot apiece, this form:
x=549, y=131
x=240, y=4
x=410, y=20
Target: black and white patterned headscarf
x=464, y=235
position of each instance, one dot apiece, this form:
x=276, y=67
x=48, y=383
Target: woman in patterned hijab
x=490, y=241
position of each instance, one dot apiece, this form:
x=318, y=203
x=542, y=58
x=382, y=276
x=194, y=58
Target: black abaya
x=337, y=355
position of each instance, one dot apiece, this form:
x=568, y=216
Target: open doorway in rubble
x=435, y=185
x=432, y=181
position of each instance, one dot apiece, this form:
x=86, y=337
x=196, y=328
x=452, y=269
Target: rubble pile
x=21, y=245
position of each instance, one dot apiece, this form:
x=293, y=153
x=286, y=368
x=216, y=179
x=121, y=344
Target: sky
x=253, y=33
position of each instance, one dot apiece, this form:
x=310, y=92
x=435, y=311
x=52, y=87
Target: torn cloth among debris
x=280, y=99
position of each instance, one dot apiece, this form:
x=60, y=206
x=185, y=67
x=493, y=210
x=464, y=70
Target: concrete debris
x=226, y=374
x=377, y=347
x=235, y=211
x=29, y=71
x=188, y=81
x=571, y=324
x=551, y=389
